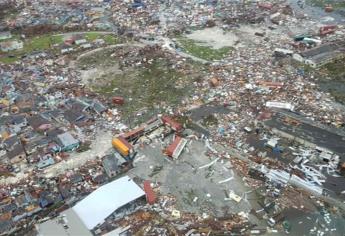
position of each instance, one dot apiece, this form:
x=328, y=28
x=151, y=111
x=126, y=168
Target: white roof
x=283, y=105
x=55, y=226
x=101, y=203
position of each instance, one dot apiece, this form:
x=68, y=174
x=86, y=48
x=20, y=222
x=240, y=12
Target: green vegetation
x=204, y=52
x=92, y=36
x=336, y=4
x=41, y=43
x=147, y=87
x=108, y=38
x=38, y=43
x=210, y=120
x=46, y=42
x=339, y=96
x=102, y=58
x=111, y=39
x=8, y=59
x=336, y=84
x=336, y=68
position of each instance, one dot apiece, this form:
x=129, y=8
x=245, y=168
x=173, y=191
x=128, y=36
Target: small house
x=67, y=142
x=45, y=161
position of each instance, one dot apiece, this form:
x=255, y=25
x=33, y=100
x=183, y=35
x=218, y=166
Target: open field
x=49, y=43
x=39, y=43
x=205, y=52
x=149, y=86
x=336, y=4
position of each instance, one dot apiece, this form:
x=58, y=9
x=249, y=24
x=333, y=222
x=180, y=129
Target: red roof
x=133, y=133
x=118, y=100
x=124, y=141
x=328, y=29
x=171, y=148
x=150, y=194
x=265, y=5
x=167, y=120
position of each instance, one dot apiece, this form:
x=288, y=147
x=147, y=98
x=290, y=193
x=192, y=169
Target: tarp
x=101, y=203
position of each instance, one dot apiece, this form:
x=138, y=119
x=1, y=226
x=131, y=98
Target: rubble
x=214, y=110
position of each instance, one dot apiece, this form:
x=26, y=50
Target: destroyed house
x=152, y=124
x=76, y=178
x=56, y=115
x=10, y=142
x=24, y=199
x=19, y=120
x=65, y=191
x=74, y=116
x=168, y=121
x=17, y=154
x=98, y=107
x=35, y=144
x=47, y=199
x=307, y=132
x=5, y=225
x=36, y=121
x=77, y=105
x=133, y=134
x=323, y=54
x=111, y=165
x=325, y=48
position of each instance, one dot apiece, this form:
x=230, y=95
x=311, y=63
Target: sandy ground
x=90, y=76
x=214, y=37
x=199, y=190
x=244, y=35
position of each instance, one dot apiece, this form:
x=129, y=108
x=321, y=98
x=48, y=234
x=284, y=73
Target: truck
x=122, y=146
